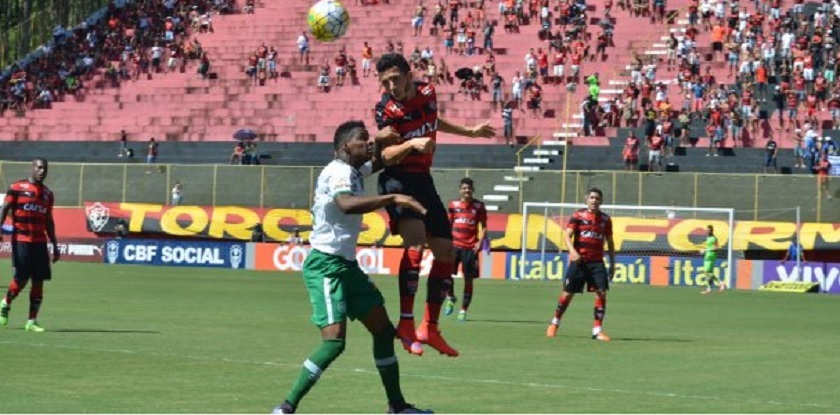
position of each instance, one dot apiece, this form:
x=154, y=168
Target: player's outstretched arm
x=484, y=130
x=394, y=154
x=358, y=205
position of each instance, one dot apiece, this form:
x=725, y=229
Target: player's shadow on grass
x=486, y=320
x=104, y=331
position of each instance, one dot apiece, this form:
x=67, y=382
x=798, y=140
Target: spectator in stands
x=237, y=154
x=630, y=153
x=507, y=118
x=535, y=100
x=770, y=160
x=340, y=67
x=517, y=85
x=654, y=144
x=303, y=48
x=367, y=55
x=249, y=6
x=151, y=154
x=324, y=77
x=123, y=144
x=417, y=20
x=204, y=66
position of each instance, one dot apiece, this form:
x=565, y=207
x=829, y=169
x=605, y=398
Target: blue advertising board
x=175, y=253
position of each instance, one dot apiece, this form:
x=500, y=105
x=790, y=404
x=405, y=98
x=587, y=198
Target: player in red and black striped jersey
x=407, y=117
x=586, y=233
x=30, y=204
x=468, y=217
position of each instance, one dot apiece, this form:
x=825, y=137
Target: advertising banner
x=504, y=230
x=372, y=260
x=175, y=253
x=76, y=250
x=827, y=274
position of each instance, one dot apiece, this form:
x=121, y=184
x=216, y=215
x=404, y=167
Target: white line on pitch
x=432, y=377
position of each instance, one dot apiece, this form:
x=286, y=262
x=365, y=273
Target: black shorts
x=420, y=186
x=469, y=259
x=591, y=274
x=30, y=260
x=717, y=46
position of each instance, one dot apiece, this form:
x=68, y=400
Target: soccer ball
x=328, y=20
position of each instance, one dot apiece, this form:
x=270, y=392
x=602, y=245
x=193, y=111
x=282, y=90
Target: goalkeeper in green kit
x=709, y=258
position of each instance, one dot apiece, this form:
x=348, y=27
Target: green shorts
x=709, y=264
x=338, y=289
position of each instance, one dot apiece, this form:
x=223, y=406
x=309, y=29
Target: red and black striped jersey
x=591, y=230
x=30, y=204
x=415, y=118
x=465, y=217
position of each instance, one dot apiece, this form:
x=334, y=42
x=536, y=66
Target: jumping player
x=585, y=235
x=709, y=258
x=30, y=203
x=338, y=288
x=407, y=112
x=468, y=217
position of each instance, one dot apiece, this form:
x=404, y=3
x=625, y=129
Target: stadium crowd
x=124, y=41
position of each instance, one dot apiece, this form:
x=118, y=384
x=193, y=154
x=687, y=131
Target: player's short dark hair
x=596, y=190
x=392, y=60
x=467, y=180
x=710, y=228
x=42, y=160
x=346, y=131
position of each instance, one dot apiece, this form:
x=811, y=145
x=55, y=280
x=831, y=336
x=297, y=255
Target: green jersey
x=711, y=246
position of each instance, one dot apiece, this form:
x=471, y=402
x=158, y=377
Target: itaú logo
x=34, y=207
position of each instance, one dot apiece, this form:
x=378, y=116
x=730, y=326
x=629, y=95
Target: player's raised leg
x=438, y=285
x=413, y=234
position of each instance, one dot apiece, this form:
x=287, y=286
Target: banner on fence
x=504, y=230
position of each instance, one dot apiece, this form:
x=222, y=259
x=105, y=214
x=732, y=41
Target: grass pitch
x=128, y=339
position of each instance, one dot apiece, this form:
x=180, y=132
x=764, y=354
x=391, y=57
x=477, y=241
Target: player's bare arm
x=394, y=154
x=484, y=130
x=51, y=236
x=4, y=213
x=611, y=253
x=569, y=237
x=482, y=232
x=364, y=204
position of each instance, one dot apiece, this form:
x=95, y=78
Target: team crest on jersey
x=97, y=216
x=426, y=90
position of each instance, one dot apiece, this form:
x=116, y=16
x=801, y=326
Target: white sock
x=596, y=331
x=555, y=321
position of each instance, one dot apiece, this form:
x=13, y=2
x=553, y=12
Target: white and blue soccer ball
x=328, y=20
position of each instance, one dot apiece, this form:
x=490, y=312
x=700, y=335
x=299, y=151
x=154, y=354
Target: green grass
x=127, y=339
